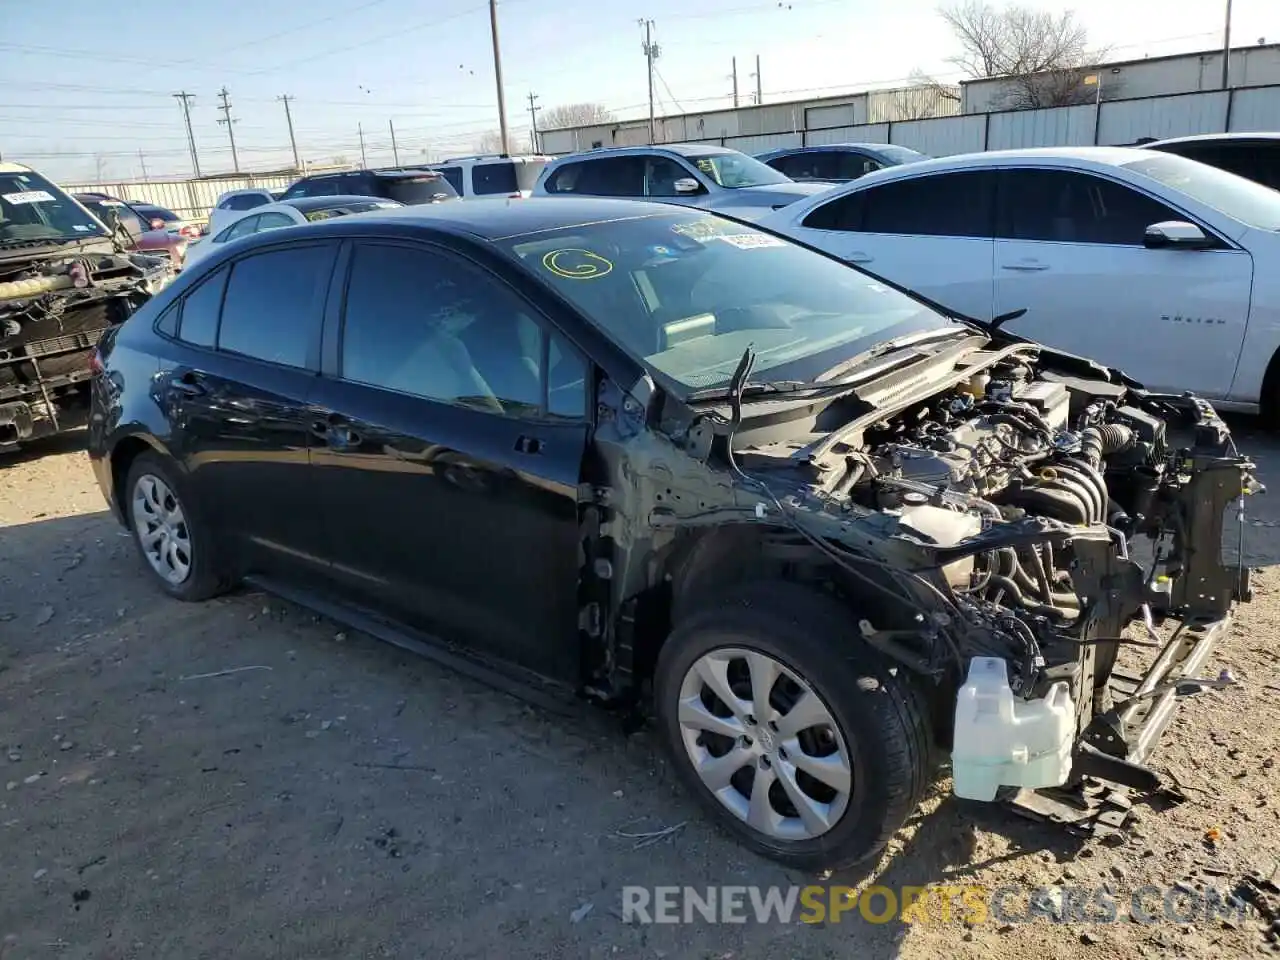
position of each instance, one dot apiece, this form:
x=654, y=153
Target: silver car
x=692, y=174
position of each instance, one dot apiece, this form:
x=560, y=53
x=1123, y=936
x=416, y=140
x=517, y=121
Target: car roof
x=323, y=203
x=7, y=167
x=1209, y=137
x=1087, y=157
x=502, y=219
x=678, y=149
x=832, y=146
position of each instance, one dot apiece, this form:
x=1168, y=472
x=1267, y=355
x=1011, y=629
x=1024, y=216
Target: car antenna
x=737, y=384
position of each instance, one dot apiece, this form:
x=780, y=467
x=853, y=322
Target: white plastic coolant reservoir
x=1001, y=740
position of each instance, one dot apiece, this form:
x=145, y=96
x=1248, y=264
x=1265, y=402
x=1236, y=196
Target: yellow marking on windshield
x=573, y=263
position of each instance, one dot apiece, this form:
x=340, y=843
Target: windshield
x=1244, y=200
x=900, y=154
x=424, y=189
x=32, y=208
x=734, y=170
x=356, y=206
x=686, y=293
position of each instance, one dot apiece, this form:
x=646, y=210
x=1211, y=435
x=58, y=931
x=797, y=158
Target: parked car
x=492, y=175
x=1252, y=155
x=1144, y=260
x=136, y=229
x=696, y=175
x=287, y=213
x=837, y=162
x=162, y=218
x=801, y=507
x=407, y=185
x=64, y=280
x=233, y=203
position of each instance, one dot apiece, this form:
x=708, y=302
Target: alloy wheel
x=161, y=528
x=765, y=744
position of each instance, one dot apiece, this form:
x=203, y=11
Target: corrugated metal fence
x=191, y=199
x=1113, y=122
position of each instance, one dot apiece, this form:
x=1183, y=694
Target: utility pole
x=651, y=53
x=395, y=151
x=759, y=83
x=230, y=122
x=360, y=130
x=143, y=160
x=1226, y=49
x=288, y=118
x=497, y=73
x=533, y=120
x=735, y=83
x=186, y=99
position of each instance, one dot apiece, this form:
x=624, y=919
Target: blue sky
x=78, y=102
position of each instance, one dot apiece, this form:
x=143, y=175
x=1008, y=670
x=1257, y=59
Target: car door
x=932, y=234
x=1070, y=250
x=448, y=437
x=236, y=386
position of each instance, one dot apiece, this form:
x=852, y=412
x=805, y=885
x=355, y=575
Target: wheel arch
x=123, y=453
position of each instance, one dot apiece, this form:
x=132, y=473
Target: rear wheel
x=176, y=545
x=800, y=739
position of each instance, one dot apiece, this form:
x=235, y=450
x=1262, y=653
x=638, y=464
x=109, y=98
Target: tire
x=195, y=542
x=880, y=721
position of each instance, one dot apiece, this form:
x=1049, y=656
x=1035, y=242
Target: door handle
x=335, y=430
x=859, y=257
x=528, y=445
x=1025, y=266
x=189, y=384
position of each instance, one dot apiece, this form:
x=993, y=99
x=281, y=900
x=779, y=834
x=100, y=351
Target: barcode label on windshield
x=750, y=241
x=29, y=196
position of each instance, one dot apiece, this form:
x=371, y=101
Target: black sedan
x=653, y=456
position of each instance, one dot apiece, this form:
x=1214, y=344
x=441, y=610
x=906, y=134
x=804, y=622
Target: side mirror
x=1176, y=234
x=157, y=223
x=111, y=217
x=687, y=185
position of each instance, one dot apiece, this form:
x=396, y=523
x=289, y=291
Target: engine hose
x=1098, y=442
x=1009, y=587
x=1024, y=410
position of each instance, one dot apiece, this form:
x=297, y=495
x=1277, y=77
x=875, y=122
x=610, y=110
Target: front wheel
x=800, y=739
x=177, y=546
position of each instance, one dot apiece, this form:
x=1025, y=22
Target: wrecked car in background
x=63, y=282
x=817, y=523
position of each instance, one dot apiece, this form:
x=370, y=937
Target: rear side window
x=1067, y=206
x=489, y=178
x=945, y=205
x=199, y=321
x=454, y=176
x=606, y=177
x=274, y=302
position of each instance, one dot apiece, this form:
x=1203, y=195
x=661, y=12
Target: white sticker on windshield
x=79, y=228
x=751, y=241
x=29, y=196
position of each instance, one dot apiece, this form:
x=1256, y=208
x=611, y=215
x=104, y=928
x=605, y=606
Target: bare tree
x=925, y=98
x=574, y=115
x=1044, y=56
x=491, y=142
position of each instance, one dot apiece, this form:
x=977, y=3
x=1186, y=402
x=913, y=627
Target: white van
x=491, y=176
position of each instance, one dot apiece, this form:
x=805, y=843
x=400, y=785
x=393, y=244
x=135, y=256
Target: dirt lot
x=340, y=798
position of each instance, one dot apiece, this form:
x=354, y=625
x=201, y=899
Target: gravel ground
x=336, y=797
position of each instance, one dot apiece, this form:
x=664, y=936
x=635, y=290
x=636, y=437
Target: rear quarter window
x=489, y=178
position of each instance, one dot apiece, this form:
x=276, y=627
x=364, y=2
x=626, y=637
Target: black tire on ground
x=208, y=576
x=883, y=714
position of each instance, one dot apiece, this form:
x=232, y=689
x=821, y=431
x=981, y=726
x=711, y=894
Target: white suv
x=492, y=176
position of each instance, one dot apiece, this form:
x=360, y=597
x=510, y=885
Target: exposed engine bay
x=983, y=506
x=54, y=307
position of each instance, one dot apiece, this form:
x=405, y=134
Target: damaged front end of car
x=56, y=301
x=1003, y=521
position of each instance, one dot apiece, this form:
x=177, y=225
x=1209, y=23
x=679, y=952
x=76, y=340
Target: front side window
x=454, y=176
x=687, y=292
x=734, y=170
x=241, y=228
x=661, y=175
x=425, y=324
x=1067, y=206
x=1244, y=200
x=272, y=221
x=843, y=213
x=273, y=305
x=198, y=323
